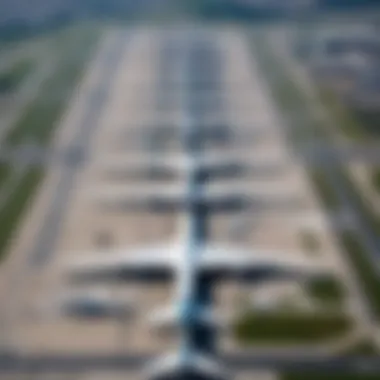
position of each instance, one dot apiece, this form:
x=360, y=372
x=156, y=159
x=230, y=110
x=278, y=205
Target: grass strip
x=364, y=269
x=351, y=243
x=38, y=122
x=15, y=207
x=289, y=328
x=327, y=290
x=324, y=190
x=4, y=173
x=11, y=78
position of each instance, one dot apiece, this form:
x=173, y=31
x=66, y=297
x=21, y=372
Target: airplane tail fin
x=192, y=366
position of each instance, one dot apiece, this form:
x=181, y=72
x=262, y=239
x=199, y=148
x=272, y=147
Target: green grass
x=289, y=328
x=288, y=96
x=324, y=190
x=15, y=207
x=4, y=173
x=375, y=179
x=348, y=123
x=369, y=217
x=11, y=79
x=364, y=268
x=367, y=214
x=354, y=124
x=363, y=348
x=328, y=290
x=35, y=123
x=354, y=248
x=38, y=121
x=369, y=120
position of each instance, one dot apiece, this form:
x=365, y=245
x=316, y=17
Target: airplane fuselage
x=194, y=292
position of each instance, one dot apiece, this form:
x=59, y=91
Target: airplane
x=192, y=262
x=188, y=260
x=311, y=220
x=120, y=166
x=173, y=197
x=212, y=133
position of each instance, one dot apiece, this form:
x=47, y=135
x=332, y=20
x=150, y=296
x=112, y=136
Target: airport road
x=317, y=154
x=280, y=44
x=365, y=315
x=320, y=153
x=300, y=362
x=44, y=248
x=46, y=233
x=50, y=228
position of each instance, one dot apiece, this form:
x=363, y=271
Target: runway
x=133, y=90
x=72, y=364
x=46, y=239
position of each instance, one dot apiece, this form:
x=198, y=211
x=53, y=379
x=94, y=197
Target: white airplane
x=210, y=131
x=311, y=220
x=191, y=262
x=161, y=138
x=187, y=259
x=176, y=165
x=221, y=198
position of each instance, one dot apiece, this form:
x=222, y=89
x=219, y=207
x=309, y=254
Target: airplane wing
x=268, y=195
x=149, y=263
x=222, y=262
x=308, y=219
x=164, y=166
x=273, y=188
x=179, y=160
x=166, y=198
x=150, y=198
x=136, y=162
